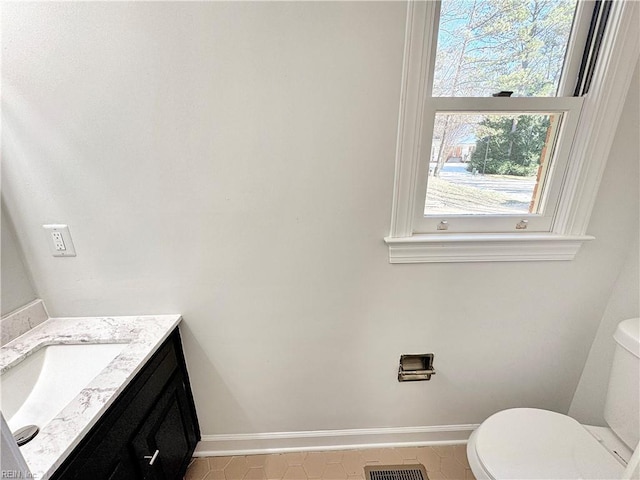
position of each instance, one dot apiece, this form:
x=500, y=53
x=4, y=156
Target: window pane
x=489, y=164
x=487, y=46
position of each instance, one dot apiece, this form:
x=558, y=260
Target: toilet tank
x=622, y=407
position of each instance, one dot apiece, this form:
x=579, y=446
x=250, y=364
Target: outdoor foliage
x=487, y=46
x=509, y=145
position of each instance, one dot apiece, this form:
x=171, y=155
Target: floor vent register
x=395, y=472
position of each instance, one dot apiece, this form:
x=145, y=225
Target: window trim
x=595, y=133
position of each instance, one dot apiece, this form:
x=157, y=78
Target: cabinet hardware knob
x=152, y=457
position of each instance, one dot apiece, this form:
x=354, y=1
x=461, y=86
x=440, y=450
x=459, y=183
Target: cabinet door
x=125, y=469
x=164, y=443
x=111, y=466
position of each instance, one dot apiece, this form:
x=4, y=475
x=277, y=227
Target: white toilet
x=529, y=443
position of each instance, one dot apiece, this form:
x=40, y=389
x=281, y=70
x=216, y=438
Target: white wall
x=15, y=287
x=588, y=402
x=624, y=302
x=234, y=162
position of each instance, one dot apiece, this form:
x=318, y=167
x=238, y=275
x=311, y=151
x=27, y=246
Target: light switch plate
x=59, y=239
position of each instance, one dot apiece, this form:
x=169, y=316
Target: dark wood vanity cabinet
x=151, y=430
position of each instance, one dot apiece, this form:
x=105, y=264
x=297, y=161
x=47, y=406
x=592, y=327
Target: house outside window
x=498, y=158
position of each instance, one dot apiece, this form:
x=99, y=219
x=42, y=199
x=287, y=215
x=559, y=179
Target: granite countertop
x=57, y=439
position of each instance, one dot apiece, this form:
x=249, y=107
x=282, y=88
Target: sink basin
x=35, y=390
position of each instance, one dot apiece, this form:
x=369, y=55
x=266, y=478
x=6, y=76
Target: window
x=497, y=159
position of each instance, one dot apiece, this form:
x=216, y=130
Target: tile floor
x=446, y=462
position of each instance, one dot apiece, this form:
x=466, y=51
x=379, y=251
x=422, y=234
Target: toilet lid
x=528, y=443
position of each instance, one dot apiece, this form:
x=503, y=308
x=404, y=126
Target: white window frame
x=568, y=107
x=596, y=127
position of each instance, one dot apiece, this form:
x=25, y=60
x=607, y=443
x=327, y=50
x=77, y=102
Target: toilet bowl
x=530, y=443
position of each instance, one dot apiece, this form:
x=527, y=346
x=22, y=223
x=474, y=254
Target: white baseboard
x=280, y=442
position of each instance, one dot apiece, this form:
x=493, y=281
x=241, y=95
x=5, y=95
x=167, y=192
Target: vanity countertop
x=142, y=334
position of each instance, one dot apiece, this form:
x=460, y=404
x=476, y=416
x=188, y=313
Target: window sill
x=479, y=247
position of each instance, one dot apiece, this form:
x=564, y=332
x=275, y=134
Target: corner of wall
x=17, y=286
x=589, y=398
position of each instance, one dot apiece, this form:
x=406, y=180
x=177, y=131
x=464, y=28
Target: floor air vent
x=395, y=472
